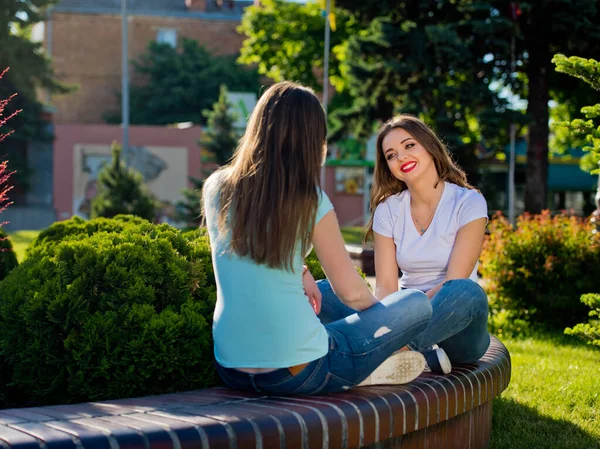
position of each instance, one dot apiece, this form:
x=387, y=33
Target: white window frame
x=167, y=36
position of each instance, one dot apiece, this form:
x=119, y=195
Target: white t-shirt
x=424, y=259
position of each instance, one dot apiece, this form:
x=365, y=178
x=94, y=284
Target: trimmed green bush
x=8, y=258
x=539, y=270
x=74, y=226
x=121, y=190
x=589, y=332
x=109, y=315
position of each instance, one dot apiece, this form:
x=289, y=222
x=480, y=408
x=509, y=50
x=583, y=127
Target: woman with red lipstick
x=429, y=222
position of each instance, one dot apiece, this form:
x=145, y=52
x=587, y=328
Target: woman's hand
x=312, y=291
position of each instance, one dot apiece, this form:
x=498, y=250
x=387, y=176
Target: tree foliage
x=30, y=70
x=449, y=62
x=588, y=130
x=121, y=190
x=220, y=138
x=219, y=141
x=181, y=83
x=390, y=58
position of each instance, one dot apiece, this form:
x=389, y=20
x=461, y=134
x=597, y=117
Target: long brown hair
x=268, y=193
x=385, y=184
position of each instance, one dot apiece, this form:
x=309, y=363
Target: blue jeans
x=459, y=322
x=358, y=343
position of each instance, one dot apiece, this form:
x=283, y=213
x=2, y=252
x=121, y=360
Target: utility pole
x=326, y=74
x=125, y=76
x=511, y=159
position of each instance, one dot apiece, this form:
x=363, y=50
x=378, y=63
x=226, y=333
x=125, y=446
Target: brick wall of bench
x=434, y=411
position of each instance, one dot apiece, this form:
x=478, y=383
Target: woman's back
x=262, y=318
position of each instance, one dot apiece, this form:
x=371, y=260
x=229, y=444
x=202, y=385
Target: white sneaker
x=437, y=360
x=401, y=368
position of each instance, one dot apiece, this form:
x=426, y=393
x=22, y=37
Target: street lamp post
x=125, y=76
x=326, y=73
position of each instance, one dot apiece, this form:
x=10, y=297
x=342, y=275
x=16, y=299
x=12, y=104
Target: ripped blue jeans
x=358, y=343
x=459, y=322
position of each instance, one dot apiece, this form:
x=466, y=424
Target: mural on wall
x=350, y=180
x=164, y=180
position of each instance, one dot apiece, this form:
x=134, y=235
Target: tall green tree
x=30, y=70
x=220, y=137
x=587, y=129
x=448, y=61
x=182, y=83
x=391, y=57
x=121, y=190
x=542, y=29
x=219, y=141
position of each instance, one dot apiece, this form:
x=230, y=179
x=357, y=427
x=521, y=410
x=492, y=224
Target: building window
x=167, y=36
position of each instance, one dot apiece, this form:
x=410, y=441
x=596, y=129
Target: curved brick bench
x=453, y=411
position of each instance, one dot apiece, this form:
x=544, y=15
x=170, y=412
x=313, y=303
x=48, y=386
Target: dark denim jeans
x=358, y=343
x=459, y=322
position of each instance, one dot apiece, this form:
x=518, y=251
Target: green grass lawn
x=21, y=240
x=353, y=235
x=553, y=400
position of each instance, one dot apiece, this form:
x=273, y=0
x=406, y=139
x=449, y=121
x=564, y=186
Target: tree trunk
x=536, y=184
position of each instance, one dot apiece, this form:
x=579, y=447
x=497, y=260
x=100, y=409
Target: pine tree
x=189, y=209
x=587, y=70
x=121, y=190
x=220, y=138
x=219, y=142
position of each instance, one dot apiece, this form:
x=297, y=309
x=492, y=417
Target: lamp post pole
x=326, y=74
x=125, y=76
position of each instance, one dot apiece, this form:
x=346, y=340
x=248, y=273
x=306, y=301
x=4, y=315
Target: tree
x=30, y=70
x=220, y=137
x=439, y=60
x=389, y=58
x=219, y=141
x=587, y=70
x=542, y=30
x=182, y=83
x=121, y=190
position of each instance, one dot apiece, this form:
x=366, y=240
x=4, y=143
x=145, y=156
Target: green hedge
x=8, y=257
x=110, y=315
x=109, y=308
x=77, y=226
x=536, y=273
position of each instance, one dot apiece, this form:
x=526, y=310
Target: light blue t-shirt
x=262, y=318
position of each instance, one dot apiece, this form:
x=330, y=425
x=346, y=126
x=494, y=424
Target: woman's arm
x=465, y=253
x=345, y=280
x=386, y=268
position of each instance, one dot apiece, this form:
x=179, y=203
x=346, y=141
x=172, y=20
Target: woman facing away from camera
x=429, y=222
x=264, y=211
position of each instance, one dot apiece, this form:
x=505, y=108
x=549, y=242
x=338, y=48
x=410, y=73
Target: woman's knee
x=413, y=302
x=470, y=290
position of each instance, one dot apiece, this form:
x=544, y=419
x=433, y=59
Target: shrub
x=121, y=190
x=539, y=270
x=110, y=315
x=589, y=332
x=58, y=231
x=8, y=258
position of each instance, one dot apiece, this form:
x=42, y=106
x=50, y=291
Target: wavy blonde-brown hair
x=269, y=192
x=385, y=184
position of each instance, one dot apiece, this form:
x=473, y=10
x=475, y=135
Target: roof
x=229, y=10
x=133, y=5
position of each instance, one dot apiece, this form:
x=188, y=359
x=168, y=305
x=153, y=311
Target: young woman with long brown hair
x=429, y=222
x=264, y=211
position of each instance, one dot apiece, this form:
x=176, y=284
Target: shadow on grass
x=517, y=426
